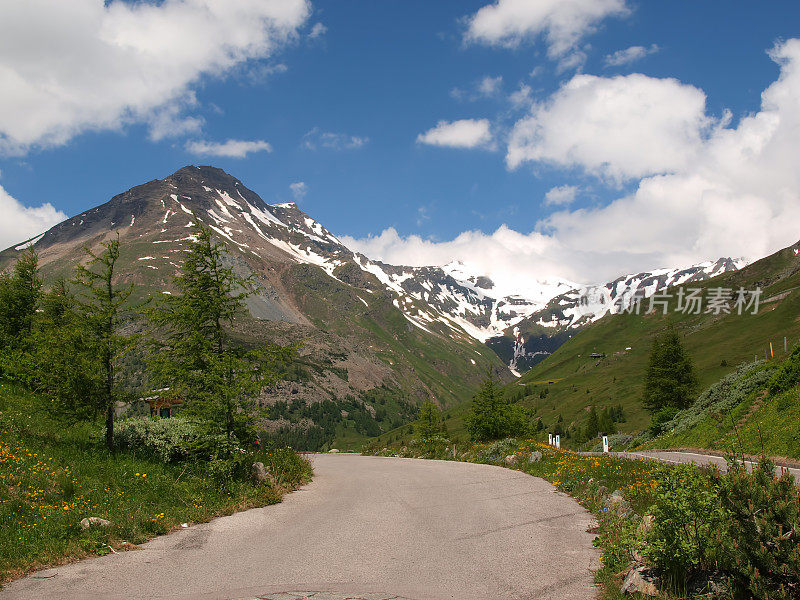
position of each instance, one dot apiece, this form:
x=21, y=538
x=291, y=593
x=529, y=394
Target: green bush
x=688, y=525
x=788, y=374
x=170, y=440
x=765, y=526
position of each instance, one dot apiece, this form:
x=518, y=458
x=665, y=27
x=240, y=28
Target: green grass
x=717, y=345
x=52, y=475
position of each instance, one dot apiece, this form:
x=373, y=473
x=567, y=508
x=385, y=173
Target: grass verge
x=53, y=475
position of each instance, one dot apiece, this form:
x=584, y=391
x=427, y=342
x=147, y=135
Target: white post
x=605, y=443
x=558, y=441
x=550, y=439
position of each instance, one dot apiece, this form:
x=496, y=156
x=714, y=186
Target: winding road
x=365, y=527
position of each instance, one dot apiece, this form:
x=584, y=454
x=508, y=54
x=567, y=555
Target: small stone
x=645, y=526
x=258, y=474
x=535, y=457
x=184, y=525
x=641, y=579
x=94, y=521
x=333, y=451
x=617, y=503
x=510, y=459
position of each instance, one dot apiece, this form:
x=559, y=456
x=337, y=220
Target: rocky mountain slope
x=369, y=347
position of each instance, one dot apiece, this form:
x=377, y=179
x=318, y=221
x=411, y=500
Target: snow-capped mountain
x=450, y=302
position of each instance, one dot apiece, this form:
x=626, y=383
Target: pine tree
x=592, y=424
x=429, y=421
x=487, y=418
x=102, y=307
x=20, y=292
x=196, y=357
x=670, y=380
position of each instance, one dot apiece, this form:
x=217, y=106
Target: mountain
x=369, y=349
x=603, y=365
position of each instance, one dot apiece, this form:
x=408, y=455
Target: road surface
x=366, y=526
x=699, y=459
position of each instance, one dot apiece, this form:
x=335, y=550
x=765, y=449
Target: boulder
x=645, y=526
x=535, y=457
x=258, y=474
x=617, y=503
x=94, y=522
x=708, y=583
x=510, y=459
x=643, y=580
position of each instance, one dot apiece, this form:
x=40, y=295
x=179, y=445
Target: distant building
x=597, y=355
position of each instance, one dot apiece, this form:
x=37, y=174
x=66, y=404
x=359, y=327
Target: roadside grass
x=53, y=474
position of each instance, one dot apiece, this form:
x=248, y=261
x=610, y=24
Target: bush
x=688, y=524
x=788, y=374
x=765, y=527
x=170, y=440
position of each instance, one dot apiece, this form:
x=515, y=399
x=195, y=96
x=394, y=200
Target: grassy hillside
x=569, y=382
x=718, y=343
x=53, y=474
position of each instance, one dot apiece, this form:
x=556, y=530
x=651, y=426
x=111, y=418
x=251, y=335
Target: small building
x=163, y=407
x=597, y=355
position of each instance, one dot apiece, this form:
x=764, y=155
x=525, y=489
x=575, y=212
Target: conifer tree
x=20, y=291
x=429, y=421
x=592, y=424
x=102, y=307
x=670, y=380
x=196, y=356
x=487, y=420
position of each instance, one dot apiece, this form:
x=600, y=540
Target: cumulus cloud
x=466, y=133
x=299, y=190
x=316, y=139
x=619, y=127
x=629, y=55
x=562, y=23
x=19, y=222
x=562, y=195
x=719, y=191
x=228, y=149
x=69, y=67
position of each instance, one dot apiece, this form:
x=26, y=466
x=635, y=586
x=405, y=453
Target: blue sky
x=336, y=99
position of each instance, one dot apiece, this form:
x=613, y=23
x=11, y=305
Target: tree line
x=68, y=343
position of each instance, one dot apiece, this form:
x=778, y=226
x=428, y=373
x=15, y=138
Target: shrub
x=688, y=521
x=170, y=440
x=788, y=374
x=765, y=527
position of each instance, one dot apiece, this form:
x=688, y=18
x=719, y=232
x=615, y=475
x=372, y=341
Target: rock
x=645, y=526
x=258, y=474
x=333, y=451
x=707, y=583
x=510, y=459
x=641, y=579
x=94, y=521
x=617, y=503
x=535, y=457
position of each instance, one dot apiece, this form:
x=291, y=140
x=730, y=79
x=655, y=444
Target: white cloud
x=19, y=222
x=318, y=30
x=466, y=133
x=563, y=23
x=229, y=149
x=561, y=196
x=737, y=193
x=619, y=127
x=490, y=86
x=299, y=190
x=70, y=67
x=522, y=97
x=486, y=87
x=316, y=138
x=629, y=55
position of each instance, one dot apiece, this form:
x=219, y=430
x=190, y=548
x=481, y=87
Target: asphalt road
x=699, y=459
x=425, y=530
